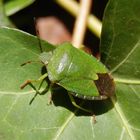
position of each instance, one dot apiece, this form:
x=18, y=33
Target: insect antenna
x=37, y=34
x=39, y=41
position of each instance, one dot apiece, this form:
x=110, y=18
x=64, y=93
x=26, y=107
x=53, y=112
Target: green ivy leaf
x=116, y=119
x=120, y=43
x=120, y=50
x=16, y=50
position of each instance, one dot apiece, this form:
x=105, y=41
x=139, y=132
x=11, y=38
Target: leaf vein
x=63, y=126
x=11, y=107
x=60, y=131
x=113, y=30
x=123, y=118
x=92, y=128
x=122, y=134
x=138, y=95
x=125, y=59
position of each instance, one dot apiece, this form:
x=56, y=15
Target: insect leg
x=40, y=93
x=78, y=106
x=50, y=94
x=29, y=82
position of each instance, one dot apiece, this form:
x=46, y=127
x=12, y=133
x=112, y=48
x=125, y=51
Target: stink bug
x=76, y=71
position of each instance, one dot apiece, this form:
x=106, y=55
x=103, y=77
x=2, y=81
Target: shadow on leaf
x=60, y=98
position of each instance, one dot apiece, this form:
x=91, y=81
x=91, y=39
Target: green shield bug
x=81, y=74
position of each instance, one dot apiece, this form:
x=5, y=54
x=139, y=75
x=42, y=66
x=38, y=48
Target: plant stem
x=93, y=23
x=80, y=24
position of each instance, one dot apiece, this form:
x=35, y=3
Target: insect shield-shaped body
x=75, y=71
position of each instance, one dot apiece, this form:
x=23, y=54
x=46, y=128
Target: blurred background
x=24, y=18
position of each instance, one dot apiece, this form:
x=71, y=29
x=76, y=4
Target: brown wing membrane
x=105, y=85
